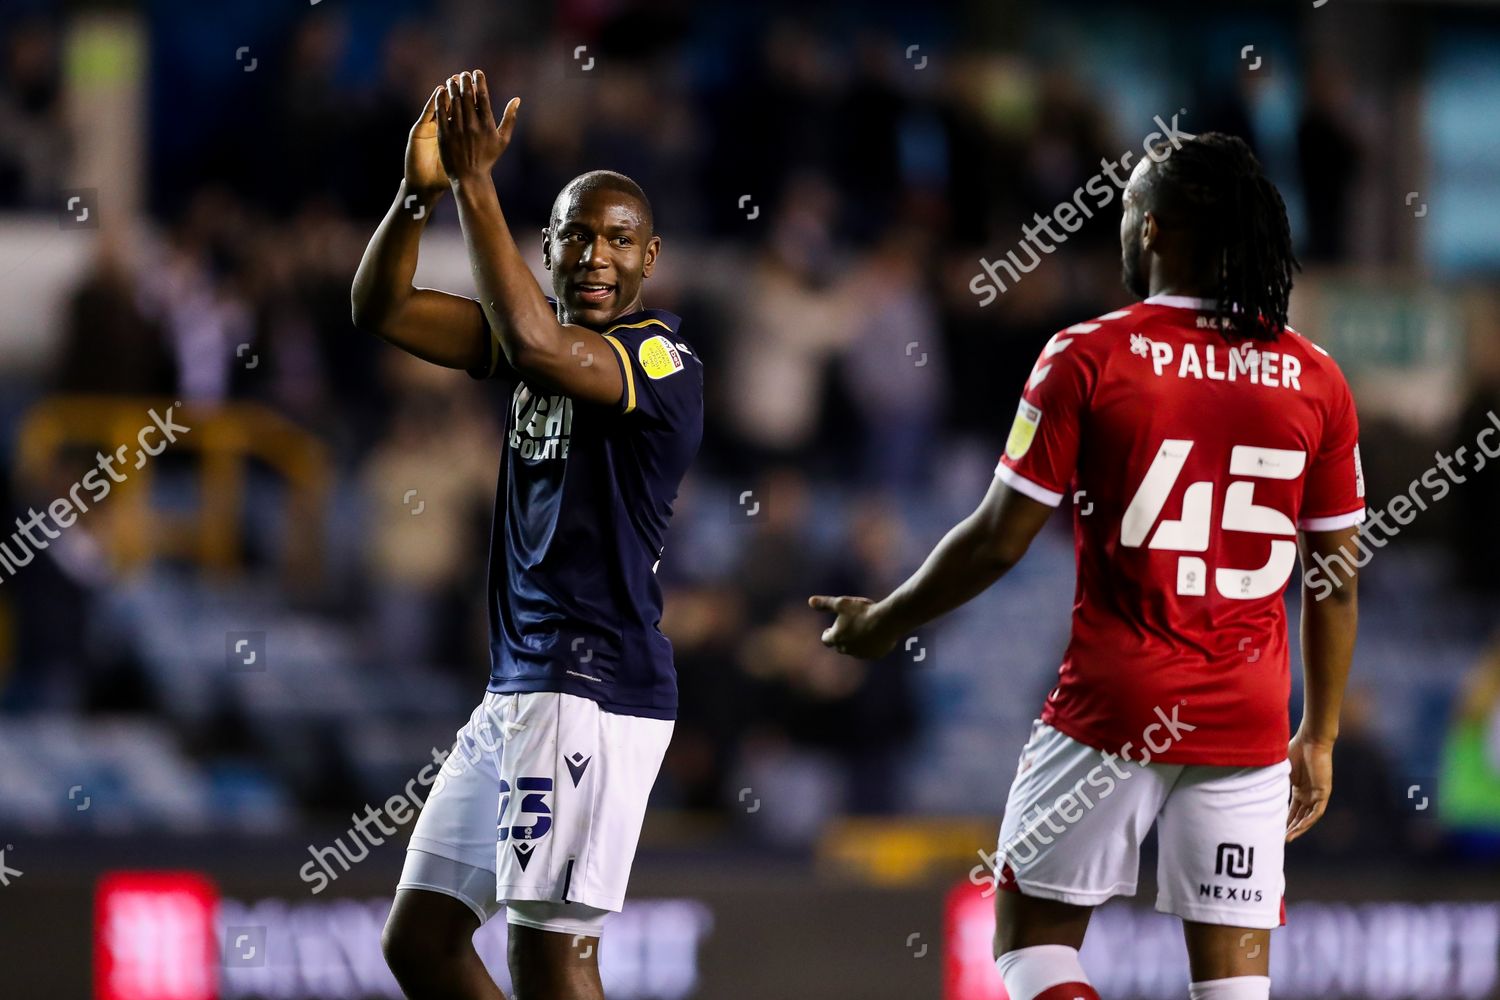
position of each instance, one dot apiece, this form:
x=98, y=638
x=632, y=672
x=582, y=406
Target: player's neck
x=567, y=318
x=1185, y=288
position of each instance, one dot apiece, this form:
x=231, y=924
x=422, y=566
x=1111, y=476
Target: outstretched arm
x=538, y=347
x=979, y=550
x=439, y=327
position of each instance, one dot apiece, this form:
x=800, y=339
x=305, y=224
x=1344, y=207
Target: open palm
x=424, y=168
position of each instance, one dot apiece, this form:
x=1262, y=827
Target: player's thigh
x=452, y=847
x=1222, y=836
x=427, y=927
x=1075, y=819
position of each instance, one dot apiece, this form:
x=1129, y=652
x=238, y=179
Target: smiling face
x=600, y=251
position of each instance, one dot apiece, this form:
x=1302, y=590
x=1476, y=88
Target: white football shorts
x=1076, y=817
x=540, y=804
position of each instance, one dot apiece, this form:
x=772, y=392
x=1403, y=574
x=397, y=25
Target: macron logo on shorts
x=577, y=764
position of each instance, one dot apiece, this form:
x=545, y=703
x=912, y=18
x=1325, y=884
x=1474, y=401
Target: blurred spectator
x=883, y=709
x=870, y=170
x=1328, y=160
x=109, y=344
x=714, y=707
x=847, y=722
x=896, y=368
x=320, y=361
x=787, y=90
x=409, y=70
x=311, y=123
x=1229, y=108
x=34, y=140
x=1063, y=150
x=797, y=310
x=779, y=559
x=427, y=486
x=67, y=656
x=194, y=294
x=1469, y=784
x=796, y=750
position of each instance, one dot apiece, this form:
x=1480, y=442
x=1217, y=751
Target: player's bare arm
x=1328, y=629
x=539, y=347
x=436, y=326
x=978, y=550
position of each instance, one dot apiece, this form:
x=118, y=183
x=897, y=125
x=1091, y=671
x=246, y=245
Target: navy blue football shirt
x=581, y=515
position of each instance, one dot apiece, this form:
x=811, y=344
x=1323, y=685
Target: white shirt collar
x=1181, y=302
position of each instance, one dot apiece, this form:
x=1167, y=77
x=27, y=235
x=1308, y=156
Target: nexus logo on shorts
x=1234, y=860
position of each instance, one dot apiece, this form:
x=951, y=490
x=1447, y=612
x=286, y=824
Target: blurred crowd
x=831, y=205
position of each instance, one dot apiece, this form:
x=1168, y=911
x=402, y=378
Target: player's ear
x=547, y=247
x=1149, y=231
x=653, y=247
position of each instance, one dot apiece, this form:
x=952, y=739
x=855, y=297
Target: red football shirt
x=1192, y=462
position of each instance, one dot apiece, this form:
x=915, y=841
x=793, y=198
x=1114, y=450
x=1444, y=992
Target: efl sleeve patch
x=1023, y=431
x=659, y=357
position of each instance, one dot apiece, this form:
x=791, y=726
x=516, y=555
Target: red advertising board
x=969, y=971
x=154, y=937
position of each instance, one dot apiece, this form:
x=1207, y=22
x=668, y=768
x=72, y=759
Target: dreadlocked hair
x=1214, y=185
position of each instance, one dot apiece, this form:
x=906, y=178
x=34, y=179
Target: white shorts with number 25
x=541, y=802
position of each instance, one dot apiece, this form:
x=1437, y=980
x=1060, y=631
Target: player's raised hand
x=1312, y=783
x=858, y=630
x=469, y=140
x=424, y=168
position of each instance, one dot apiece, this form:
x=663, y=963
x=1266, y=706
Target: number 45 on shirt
x=1190, y=532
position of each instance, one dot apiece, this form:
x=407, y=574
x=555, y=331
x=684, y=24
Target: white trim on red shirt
x=1181, y=302
x=1010, y=477
x=1333, y=523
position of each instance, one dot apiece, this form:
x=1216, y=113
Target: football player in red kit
x=1211, y=441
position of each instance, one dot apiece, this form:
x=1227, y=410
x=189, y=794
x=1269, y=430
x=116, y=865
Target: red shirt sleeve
x=1041, y=452
x=1334, y=496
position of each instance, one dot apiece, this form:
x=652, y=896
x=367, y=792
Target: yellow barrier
x=225, y=438
x=905, y=851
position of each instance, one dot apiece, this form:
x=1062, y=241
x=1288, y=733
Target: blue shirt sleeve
x=663, y=378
